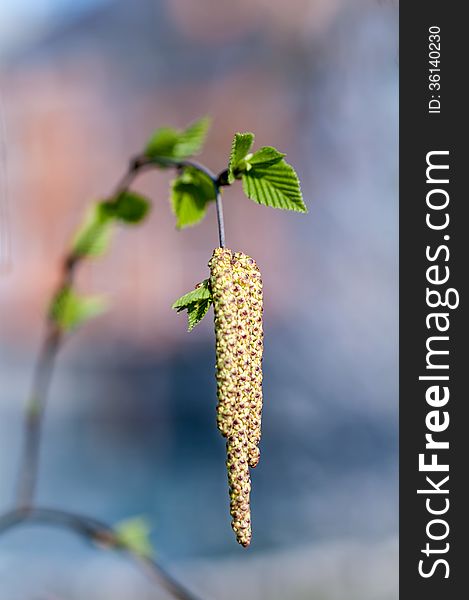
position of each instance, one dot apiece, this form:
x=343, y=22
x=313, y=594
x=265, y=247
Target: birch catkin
x=251, y=278
x=237, y=299
x=224, y=302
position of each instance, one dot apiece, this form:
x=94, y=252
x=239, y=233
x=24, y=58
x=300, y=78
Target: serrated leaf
x=129, y=207
x=240, y=148
x=190, y=194
x=167, y=142
x=196, y=302
x=94, y=235
x=188, y=204
x=275, y=185
x=267, y=155
x=201, y=292
x=134, y=534
x=196, y=312
x=69, y=311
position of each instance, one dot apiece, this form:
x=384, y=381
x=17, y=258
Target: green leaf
x=240, y=148
x=190, y=194
x=94, y=235
x=201, y=292
x=129, y=207
x=134, y=535
x=267, y=155
x=68, y=310
x=274, y=184
x=192, y=139
x=167, y=142
x=162, y=142
x=196, y=312
x=197, y=302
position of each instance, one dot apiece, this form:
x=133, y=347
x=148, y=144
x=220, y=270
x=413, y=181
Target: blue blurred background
x=130, y=427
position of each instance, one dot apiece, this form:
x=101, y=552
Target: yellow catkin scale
x=237, y=299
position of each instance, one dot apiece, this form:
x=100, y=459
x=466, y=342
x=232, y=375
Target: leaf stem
x=220, y=219
x=98, y=533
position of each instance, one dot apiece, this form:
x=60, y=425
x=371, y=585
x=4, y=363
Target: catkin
x=251, y=278
x=225, y=308
x=237, y=298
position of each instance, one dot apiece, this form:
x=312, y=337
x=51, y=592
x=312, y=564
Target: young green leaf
x=201, y=292
x=196, y=312
x=240, y=148
x=196, y=302
x=267, y=155
x=274, y=184
x=129, y=207
x=134, y=535
x=162, y=142
x=94, y=235
x=68, y=310
x=190, y=194
x=167, y=142
x=192, y=139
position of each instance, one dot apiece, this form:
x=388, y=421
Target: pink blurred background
x=130, y=425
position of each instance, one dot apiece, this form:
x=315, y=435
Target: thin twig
x=220, y=220
x=35, y=409
x=34, y=415
x=99, y=533
x=43, y=373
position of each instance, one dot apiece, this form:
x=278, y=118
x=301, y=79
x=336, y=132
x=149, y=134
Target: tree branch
x=34, y=415
x=98, y=533
x=51, y=345
x=35, y=408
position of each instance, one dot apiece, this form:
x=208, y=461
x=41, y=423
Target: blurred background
x=130, y=427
